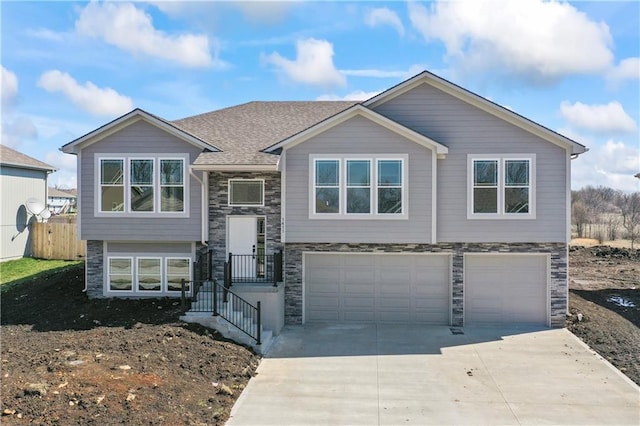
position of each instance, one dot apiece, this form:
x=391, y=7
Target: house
x=61, y=201
x=21, y=177
x=424, y=204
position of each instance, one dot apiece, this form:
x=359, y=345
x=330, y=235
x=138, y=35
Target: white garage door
x=505, y=289
x=379, y=288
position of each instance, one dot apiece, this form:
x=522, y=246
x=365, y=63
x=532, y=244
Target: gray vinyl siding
x=465, y=129
x=138, y=138
x=153, y=248
x=16, y=185
x=358, y=136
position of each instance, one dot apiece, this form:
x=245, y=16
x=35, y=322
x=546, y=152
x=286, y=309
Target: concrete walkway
x=393, y=375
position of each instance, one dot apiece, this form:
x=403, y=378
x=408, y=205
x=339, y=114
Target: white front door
x=242, y=240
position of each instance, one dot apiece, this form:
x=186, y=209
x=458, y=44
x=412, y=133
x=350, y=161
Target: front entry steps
x=224, y=327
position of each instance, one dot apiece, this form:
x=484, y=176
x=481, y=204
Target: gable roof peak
x=427, y=77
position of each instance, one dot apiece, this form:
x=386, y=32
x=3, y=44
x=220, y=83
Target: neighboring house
x=21, y=178
x=425, y=204
x=61, y=201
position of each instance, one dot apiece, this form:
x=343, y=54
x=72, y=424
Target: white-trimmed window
x=171, y=185
x=149, y=274
x=246, y=192
x=112, y=184
x=357, y=186
x=501, y=186
x=141, y=185
x=326, y=186
x=177, y=269
x=390, y=184
x=120, y=274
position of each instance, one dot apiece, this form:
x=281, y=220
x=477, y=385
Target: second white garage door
x=378, y=288
x=505, y=289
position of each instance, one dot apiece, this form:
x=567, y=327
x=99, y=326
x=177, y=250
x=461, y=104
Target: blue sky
x=69, y=67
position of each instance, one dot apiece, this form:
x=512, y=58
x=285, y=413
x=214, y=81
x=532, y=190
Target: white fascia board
x=360, y=110
x=236, y=167
x=126, y=120
x=479, y=102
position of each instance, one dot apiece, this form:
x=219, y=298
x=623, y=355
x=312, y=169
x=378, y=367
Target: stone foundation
x=95, y=269
x=558, y=277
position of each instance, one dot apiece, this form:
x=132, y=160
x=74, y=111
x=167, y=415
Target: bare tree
x=579, y=216
x=629, y=205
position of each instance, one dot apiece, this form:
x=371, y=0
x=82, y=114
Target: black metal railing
x=237, y=311
x=253, y=268
x=202, y=271
x=218, y=299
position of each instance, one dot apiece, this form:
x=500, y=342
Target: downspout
x=204, y=186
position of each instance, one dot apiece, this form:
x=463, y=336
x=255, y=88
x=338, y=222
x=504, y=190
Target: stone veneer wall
x=219, y=209
x=95, y=269
x=557, y=251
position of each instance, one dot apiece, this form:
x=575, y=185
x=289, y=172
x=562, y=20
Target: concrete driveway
x=393, y=375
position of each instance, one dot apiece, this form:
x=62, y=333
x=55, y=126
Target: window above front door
x=246, y=192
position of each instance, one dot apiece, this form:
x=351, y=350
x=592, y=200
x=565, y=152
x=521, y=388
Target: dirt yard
x=605, y=290
x=69, y=360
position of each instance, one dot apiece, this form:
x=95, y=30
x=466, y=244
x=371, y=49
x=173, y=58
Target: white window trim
x=137, y=275
x=342, y=161
x=230, y=181
x=126, y=158
x=501, y=159
x=133, y=278
x=133, y=257
x=98, y=179
x=154, y=184
x=165, y=276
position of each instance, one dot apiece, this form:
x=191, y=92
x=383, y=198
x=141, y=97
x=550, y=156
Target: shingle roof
x=243, y=131
x=67, y=193
x=12, y=157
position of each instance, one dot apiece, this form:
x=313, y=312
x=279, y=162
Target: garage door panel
x=506, y=289
x=358, y=316
x=358, y=276
x=386, y=288
x=393, y=289
x=393, y=303
x=325, y=275
x=359, y=302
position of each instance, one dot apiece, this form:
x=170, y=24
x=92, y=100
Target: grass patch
x=14, y=272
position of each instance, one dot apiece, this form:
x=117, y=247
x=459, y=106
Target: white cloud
x=627, y=69
x=61, y=161
x=45, y=34
x=612, y=164
x=65, y=176
x=131, y=29
x=609, y=117
x=358, y=95
x=531, y=39
x=91, y=98
x=9, y=87
x=313, y=64
x=384, y=16
x=17, y=130
x=377, y=73
x=264, y=11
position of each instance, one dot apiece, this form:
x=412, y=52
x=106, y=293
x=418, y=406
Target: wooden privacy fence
x=57, y=241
